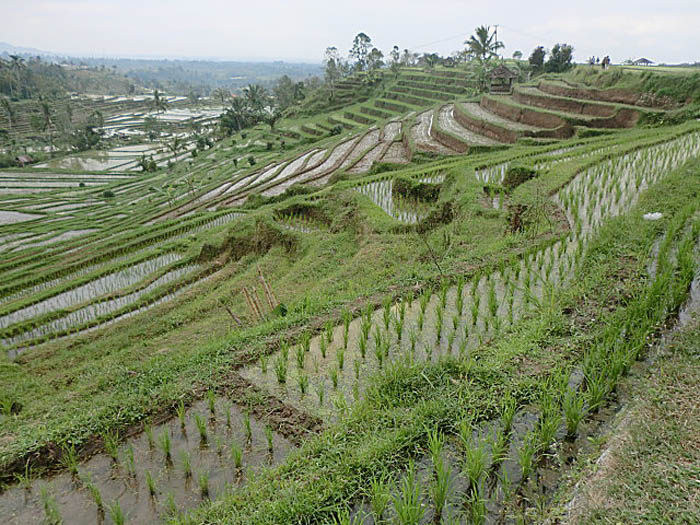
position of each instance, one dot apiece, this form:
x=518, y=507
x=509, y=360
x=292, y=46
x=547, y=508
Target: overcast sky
x=662, y=30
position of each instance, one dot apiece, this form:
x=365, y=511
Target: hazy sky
x=662, y=30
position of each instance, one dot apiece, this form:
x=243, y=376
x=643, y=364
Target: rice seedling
x=356, y=365
x=438, y=323
x=24, y=479
x=459, y=301
x=440, y=488
x=247, y=427
x=300, y=355
x=412, y=337
x=201, y=425
x=379, y=497
x=186, y=463
x=425, y=299
x=475, y=312
x=130, y=466
x=303, y=381
x=320, y=392
x=111, y=444
x=329, y=331
x=340, y=357
x=228, y=417
x=455, y=322
x=421, y=320
x=398, y=327
x=151, y=484
x=270, y=438
x=362, y=344
x=323, y=346
x=451, y=340
x=180, y=409
x=148, y=429
x=475, y=455
x=356, y=390
x=203, y=480
x=386, y=312
x=333, y=373
x=407, y=503
x=526, y=456
x=306, y=341
x=165, y=445
x=346, y=328
x=69, y=459
x=94, y=491
x=281, y=369
x=211, y=401
x=477, y=507
x=116, y=513
x=574, y=412
x=236, y=455
x=402, y=310
x=51, y=513
x=170, y=505
x=443, y=294
x=499, y=448
x=597, y=387
x=263, y=363
x=508, y=409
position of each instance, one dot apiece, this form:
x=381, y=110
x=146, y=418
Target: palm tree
x=256, y=96
x=159, y=103
x=16, y=64
x=7, y=106
x=222, y=94
x=483, y=45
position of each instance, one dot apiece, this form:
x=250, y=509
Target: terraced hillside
x=426, y=313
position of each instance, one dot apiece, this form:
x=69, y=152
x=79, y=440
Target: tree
x=559, y=59
x=286, y=92
x=431, y=59
x=221, y=94
x=360, y=49
x=395, y=55
x=536, y=59
x=272, y=117
x=256, y=97
x=483, y=44
x=159, y=103
x=517, y=55
x=16, y=65
x=9, y=110
x=332, y=70
x=375, y=59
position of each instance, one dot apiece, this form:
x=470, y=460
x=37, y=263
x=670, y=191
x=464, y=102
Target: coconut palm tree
x=483, y=44
x=16, y=64
x=7, y=107
x=222, y=94
x=159, y=103
x=256, y=96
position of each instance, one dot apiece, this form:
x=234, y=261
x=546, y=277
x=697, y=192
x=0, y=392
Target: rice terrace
x=398, y=286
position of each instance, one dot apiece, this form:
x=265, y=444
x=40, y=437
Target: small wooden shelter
x=642, y=62
x=502, y=80
x=23, y=160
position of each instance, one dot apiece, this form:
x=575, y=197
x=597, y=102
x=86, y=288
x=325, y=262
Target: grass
x=365, y=258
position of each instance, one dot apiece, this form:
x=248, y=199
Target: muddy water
x=124, y=481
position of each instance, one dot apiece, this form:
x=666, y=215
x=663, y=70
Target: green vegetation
x=214, y=302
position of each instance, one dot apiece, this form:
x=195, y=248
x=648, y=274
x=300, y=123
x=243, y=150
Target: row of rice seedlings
x=88, y=314
x=91, y=290
x=403, y=210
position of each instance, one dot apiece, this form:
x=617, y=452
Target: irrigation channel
x=326, y=373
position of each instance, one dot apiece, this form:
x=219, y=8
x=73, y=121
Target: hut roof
x=643, y=61
x=502, y=71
